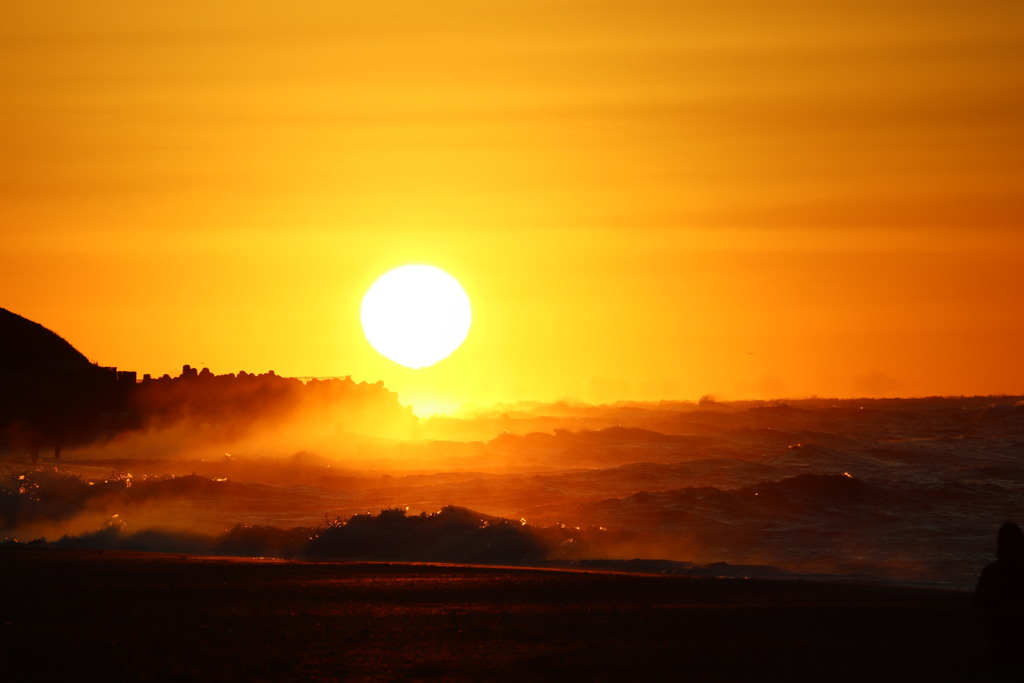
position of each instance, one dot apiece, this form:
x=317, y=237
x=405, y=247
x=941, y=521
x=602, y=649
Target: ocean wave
x=907, y=490
x=452, y=535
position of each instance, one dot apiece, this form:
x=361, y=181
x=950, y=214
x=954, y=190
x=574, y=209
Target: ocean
x=907, y=491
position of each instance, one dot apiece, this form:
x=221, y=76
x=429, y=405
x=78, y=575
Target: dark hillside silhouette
x=28, y=348
x=52, y=396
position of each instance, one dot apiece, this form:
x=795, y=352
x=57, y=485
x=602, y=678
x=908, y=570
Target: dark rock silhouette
x=1000, y=596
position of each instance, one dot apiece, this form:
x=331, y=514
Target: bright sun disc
x=416, y=315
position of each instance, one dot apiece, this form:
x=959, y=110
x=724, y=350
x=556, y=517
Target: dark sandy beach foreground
x=74, y=615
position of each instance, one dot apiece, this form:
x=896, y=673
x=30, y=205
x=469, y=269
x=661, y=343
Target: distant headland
x=52, y=396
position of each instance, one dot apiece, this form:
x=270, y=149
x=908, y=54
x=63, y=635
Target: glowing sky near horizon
x=643, y=200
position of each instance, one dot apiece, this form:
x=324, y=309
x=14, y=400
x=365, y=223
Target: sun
x=416, y=315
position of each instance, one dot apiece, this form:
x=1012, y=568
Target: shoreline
x=151, y=615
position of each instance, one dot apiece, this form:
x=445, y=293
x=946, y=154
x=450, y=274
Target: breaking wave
x=905, y=491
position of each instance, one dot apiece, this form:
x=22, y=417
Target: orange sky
x=644, y=200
